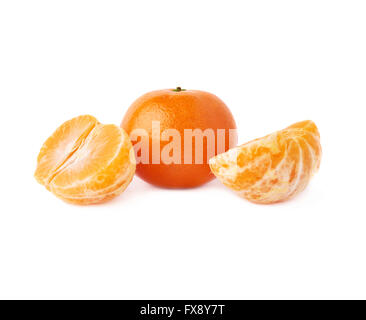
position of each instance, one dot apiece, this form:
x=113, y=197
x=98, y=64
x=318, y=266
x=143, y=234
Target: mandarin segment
x=273, y=168
x=60, y=146
x=86, y=164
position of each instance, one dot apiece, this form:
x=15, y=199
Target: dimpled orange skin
x=273, y=168
x=188, y=109
x=85, y=162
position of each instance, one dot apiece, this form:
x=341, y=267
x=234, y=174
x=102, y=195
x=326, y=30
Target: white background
x=272, y=62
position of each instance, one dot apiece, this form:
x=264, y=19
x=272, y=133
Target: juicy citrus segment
x=273, y=168
x=61, y=145
x=99, y=166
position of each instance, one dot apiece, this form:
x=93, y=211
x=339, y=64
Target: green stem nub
x=179, y=89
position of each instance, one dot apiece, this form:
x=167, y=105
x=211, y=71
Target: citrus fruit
x=177, y=153
x=273, y=168
x=86, y=162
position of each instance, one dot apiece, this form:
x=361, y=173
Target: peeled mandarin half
x=273, y=168
x=86, y=162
